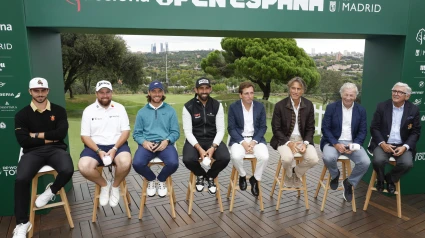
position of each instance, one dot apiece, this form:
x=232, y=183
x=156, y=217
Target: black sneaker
x=348, y=190
x=212, y=189
x=335, y=182
x=199, y=183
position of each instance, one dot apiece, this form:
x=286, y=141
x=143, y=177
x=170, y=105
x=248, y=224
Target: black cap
x=202, y=81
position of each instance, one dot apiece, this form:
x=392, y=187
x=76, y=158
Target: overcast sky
x=176, y=43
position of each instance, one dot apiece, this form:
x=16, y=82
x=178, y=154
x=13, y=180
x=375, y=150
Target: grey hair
x=400, y=84
x=300, y=81
x=348, y=86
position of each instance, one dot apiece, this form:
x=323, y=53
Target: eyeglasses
x=395, y=92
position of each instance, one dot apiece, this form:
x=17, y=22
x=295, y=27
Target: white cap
x=38, y=83
x=103, y=84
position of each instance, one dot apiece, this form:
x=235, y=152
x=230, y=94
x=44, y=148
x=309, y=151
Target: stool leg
x=353, y=201
x=369, y=190
x=305, y=192
x=170, y=195
x=282, y=179
x=173, y=193
x=33, y=198
x=127, y=193
x=229, y=188
x=95, y=202
x=232, y=200
x=325, y=193
x=260, y=192
x=189, y=185
x=192, y=191
x=276, y=176
x=218, y=194
x=319, y=185
x=398, y=196
x=124, y=192
x=66, y=206
x=299, y=191
x=143, y=198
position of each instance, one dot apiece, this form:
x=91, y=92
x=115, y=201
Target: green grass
x=133, y=103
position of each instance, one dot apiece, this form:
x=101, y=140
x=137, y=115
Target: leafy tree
x=330, y=83
x=261, y=60
x=83, y=53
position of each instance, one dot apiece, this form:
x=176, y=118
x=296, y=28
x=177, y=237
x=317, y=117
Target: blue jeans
x=142, y=158
x=359, y=157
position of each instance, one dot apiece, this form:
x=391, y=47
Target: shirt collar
x=398, y=108
x=352, y=105
x=292, y=102
x=34, y=107
x=252, y=105
x=155, y=108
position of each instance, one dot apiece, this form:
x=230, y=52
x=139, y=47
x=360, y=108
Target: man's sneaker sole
x=162, y=196
x=212, y=192
x=200, y=190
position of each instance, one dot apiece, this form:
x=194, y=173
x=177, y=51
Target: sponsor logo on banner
x=417, y=101
x=332, y=6
x=8, y=170
x=2, y=66
x=422, y=68
x=8, y=108
x=5, y=27
x=2, y=84
x=418, y=92
x=5, y=46
x=417, y=52
x=10, y=95
x=77, y=3
x=2, y=125
x=420, y=156
x=420, y=37
x=18, y=95
x=423, y=118
x=421, y=84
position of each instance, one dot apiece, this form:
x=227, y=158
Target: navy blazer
x=332, y=124
x=410, y=127
x=235, y=122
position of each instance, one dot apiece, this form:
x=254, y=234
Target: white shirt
x=347, y=115
x=248, y=118
x=296, y=131
x=104, y=126
x=219, y=123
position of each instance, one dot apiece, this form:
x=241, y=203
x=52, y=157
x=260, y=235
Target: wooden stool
x=371, y=188
x=170, y=190
x=123, y=193
x=234, y=177
x=346, y=171
x=44, y=171
x=191, y=190
x=298, y=159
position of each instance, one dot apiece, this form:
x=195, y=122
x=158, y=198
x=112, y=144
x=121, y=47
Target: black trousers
x=403, y=164
x=191, y=157
x=28, y=167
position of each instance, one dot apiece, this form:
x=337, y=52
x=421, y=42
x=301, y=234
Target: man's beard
x=103, y=103
x=203, y=96
x=40, y=99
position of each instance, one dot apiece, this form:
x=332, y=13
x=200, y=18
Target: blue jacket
x=235, y=122
x=156, y=125
x=332, y=124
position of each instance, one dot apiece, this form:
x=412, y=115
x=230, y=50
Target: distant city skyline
x=140, y=43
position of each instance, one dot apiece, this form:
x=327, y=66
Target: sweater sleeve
x=22, y=132
x=138, y=135
x=174, y=128
x=187, y=127
x=219, y=121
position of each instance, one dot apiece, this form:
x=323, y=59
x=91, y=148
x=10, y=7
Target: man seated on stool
x=395, y=130
x=247, y=126
x=40, y=129
x=155, y=131
x=344, y=129
x=105, y=129
x=203, y=125
x=293, y=129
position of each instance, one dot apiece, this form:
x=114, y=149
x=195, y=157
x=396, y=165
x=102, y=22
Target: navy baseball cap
x=155, y=84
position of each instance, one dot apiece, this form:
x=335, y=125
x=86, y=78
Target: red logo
x=52, y=118
x=75, y=2
x=40, y=82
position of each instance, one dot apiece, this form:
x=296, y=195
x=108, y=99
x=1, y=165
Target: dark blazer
x=332, y=124
x=235, y=122
x=283, y=125
x=410, y=127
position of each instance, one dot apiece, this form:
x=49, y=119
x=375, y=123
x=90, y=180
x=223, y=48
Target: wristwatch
x=214, y=146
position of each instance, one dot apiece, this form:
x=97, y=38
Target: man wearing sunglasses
x=395, y=130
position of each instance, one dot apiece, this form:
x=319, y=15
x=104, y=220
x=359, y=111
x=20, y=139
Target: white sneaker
x=151, y=191
x=289, y=181
x=114, y=197
x=104, y=194
x=21, y=230
x=162, y=189
x=45, y=197
x=298, y=182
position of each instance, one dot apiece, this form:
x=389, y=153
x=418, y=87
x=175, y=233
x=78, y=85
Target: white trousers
x=260, y=152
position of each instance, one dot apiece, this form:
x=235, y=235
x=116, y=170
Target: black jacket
x=203, y=118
